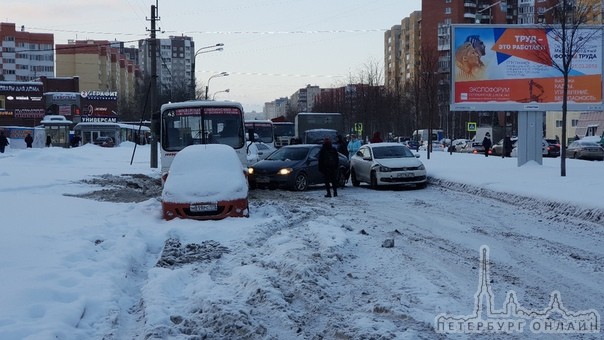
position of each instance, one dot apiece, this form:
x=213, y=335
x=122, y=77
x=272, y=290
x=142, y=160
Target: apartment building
x=101, y=65
x=25, y=56
x=174, y=67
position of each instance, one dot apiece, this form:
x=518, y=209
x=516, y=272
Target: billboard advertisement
x=512, y=68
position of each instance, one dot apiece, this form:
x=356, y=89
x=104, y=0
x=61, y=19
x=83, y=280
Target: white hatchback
x=387, y=164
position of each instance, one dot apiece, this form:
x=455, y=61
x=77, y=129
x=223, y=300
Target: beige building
x=553, y=124
x=401, y=51
x=100, y=65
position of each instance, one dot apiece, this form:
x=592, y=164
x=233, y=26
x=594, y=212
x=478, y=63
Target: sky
x=78, y=268
x=272, y=48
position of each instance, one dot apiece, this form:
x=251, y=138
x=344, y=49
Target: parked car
x=293, y=167
x=475, y=148
x=460, y=144
x=264, y=150
x=436, y=146
x=581, y=149
x=497, y=149
x=384, y=164
x=104, y=142
x=552, y=147
x=412, y=144
x=205, y=182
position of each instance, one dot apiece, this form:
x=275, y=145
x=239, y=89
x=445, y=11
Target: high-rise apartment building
x=25, y=56
x=392, y=57
x=175, y=60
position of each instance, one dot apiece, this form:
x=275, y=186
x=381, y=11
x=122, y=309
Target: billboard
x=511, y=68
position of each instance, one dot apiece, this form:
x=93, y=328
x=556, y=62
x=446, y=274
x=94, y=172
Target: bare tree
x=570, y=18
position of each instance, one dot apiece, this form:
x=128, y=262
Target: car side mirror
x=416, y=155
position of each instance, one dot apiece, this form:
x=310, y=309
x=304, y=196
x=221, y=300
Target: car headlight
x=421, y=167
x=250, y=171
x=285, y=171
x=381, y=168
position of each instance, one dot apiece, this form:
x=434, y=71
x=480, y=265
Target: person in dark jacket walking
x=3, y=141
x=486, y=143
x=342, y=145
x=29, y=140
x=48, y=141
x=328, y=166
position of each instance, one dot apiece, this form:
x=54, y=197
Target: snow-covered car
x=294, y=167
x=264, y=150
x=104, y=141
x=205, y=182
x=436, y=146
x=386, y=164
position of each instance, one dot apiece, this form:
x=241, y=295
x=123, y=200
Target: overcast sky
x=272, y=47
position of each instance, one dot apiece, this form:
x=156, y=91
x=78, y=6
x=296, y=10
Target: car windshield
x=292, y=154
x=391, y=152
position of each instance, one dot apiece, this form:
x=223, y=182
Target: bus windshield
x=263, y=130
x=183, y=126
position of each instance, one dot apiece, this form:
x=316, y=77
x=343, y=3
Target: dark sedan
x=293, y=167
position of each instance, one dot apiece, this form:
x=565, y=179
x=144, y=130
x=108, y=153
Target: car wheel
x=301, y=183
x=373, y=182
x=353, y=178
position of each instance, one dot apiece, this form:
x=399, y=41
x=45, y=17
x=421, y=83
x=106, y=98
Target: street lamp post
x=217, y=92
x=205, y=49
x=221, y=74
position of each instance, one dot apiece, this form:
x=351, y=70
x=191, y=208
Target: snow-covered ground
x=86, y=255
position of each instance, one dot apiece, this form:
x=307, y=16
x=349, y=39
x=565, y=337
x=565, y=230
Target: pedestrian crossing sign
x=471, y=126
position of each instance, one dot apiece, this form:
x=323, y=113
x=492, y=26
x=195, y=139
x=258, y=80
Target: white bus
x=263, y=130
x=200, y=122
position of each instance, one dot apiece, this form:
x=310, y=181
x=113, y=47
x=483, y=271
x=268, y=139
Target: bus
x=263, y=130
x=200, y=122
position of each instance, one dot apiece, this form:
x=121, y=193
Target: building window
x=447, y=10
x=447, y=1
x=574, y=122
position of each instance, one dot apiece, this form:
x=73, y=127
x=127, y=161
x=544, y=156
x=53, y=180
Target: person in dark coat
x=342, y=145
x=376, y=138
x=29, y=140
x=3, y=142
x=48, y=141
x=507, y=147
x=486, y=143
x=328, y=166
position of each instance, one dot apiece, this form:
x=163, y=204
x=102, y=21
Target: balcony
x=469, y=4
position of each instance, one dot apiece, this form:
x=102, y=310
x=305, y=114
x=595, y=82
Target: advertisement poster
x=512, y=68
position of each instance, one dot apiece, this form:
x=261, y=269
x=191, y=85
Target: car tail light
x=475, y=151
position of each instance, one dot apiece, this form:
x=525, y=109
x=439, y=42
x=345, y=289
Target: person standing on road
x=353, y=145
x=376, y=138
x=48, y=141
x=507, y=147
x=328, y=166
x=29, y=140
x=342, y=145
x=486, y=143
x=3, y=141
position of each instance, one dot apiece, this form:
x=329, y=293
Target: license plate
x=205, y=207
x=263, y=180
x=404, y=175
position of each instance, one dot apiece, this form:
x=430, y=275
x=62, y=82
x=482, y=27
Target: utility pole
x=152, y=94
